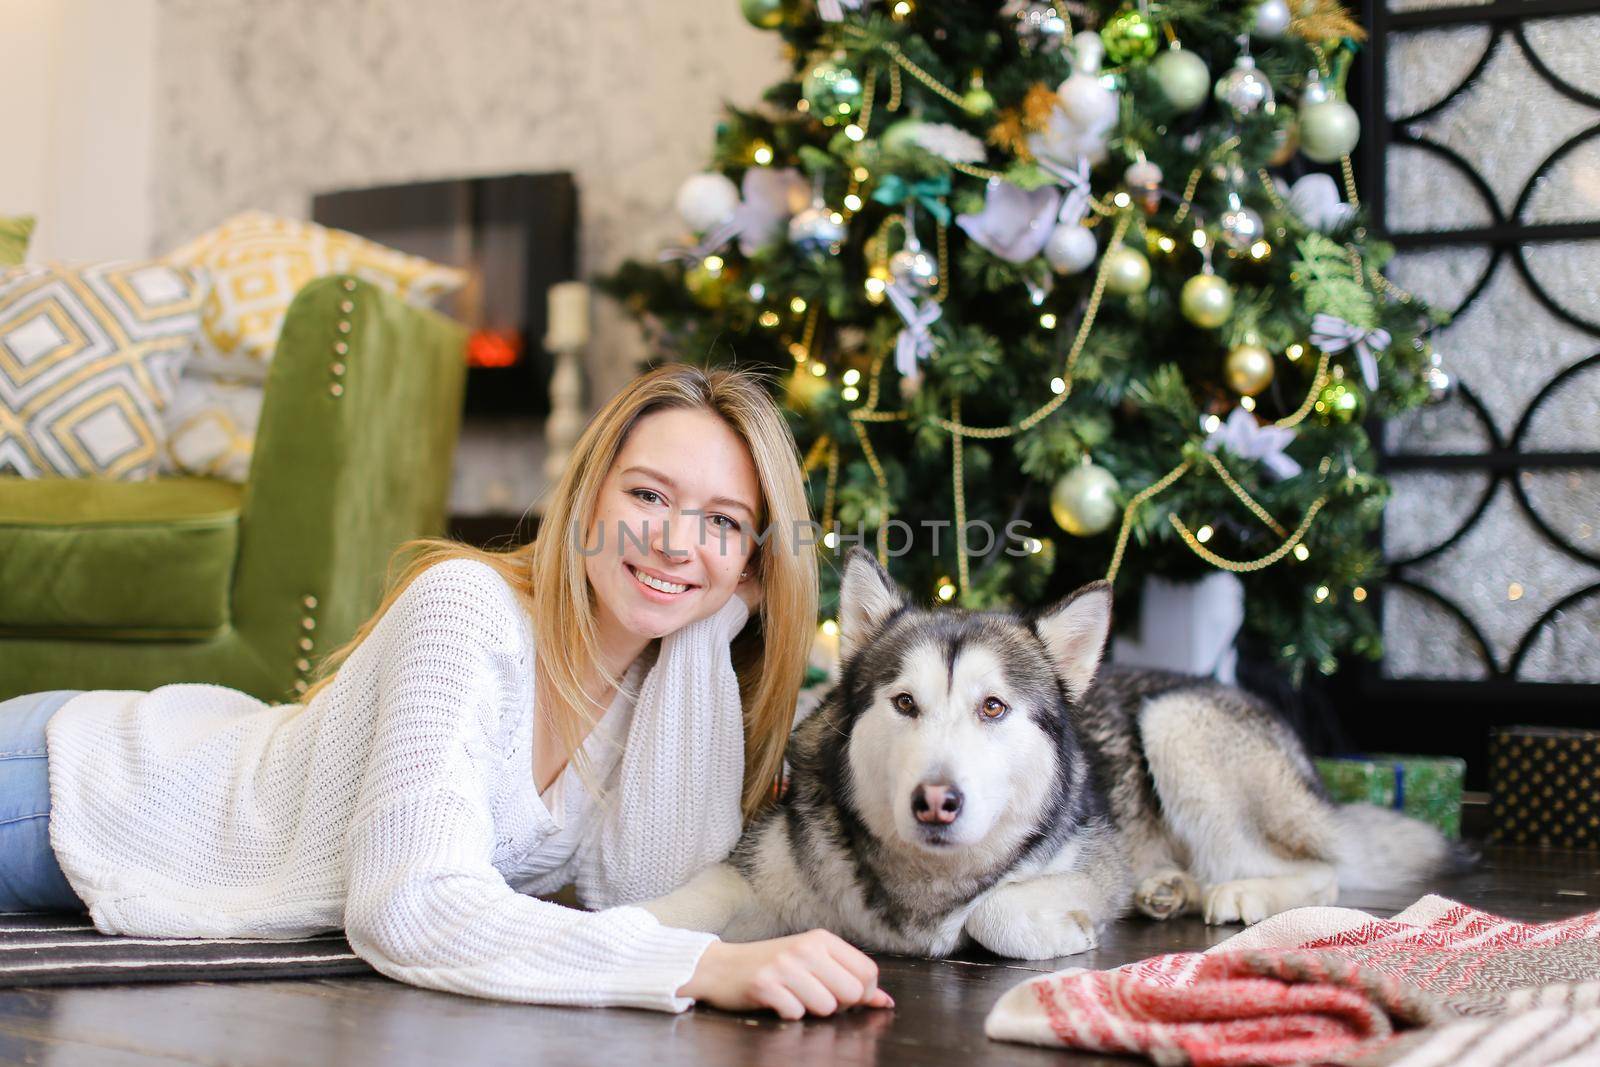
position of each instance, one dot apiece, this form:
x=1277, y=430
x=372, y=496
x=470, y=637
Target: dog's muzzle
x=936, y=803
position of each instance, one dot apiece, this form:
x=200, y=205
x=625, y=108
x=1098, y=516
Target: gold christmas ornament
x=1127, y=271
x=1248, y=368
x=1084, y=500
x=1206, y=301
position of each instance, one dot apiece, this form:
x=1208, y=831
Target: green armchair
x=132, y=585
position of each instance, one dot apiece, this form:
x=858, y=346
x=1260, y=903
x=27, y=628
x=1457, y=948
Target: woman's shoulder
x=467, y=591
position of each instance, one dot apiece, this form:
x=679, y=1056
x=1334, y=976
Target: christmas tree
x=1063, y=292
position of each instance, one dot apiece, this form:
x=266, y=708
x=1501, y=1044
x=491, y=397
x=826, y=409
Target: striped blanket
x=38, y=948
x=1438, y=984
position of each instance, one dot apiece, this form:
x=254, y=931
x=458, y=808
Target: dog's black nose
x=935, y=803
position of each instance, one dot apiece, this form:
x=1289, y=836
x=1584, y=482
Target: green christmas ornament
x=1206, y=301
x=1328, y=130
x=1084, y=500
x=764, y=14
x=1129, y=36
x=832, y=90
x=978, y=100
x=1127, y=271
x=1182, y=78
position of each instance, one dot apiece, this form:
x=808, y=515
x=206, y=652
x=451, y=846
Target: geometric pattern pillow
x=89, y=356
x=256, y=262
x=211, y=427
x=14, y=233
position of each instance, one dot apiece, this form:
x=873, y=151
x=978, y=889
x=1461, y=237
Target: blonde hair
x=549, y=578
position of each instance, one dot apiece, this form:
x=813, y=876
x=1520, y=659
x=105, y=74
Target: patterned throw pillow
x=211, y=427
x=257, y=262
x=14, y=234
x=88, y=359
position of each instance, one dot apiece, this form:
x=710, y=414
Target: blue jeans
x=30, y=878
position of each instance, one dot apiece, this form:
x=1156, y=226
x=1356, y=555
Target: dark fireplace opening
x=516, y=234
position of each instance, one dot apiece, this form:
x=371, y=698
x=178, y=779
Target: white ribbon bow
x=1332, y=334
x=915, y=342
x=1248, y=439
x=1075, y=202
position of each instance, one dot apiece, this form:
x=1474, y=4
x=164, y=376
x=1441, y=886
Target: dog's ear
x=1075, y=632
x=867, y=596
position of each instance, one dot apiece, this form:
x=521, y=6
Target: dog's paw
x=1165, y=894
x=1247, y=901
x=1033, y=934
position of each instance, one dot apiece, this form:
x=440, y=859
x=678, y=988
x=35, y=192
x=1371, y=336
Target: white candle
x=568, y=316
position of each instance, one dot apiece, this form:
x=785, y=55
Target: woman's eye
x=904, y=704
x=648, y=496
x=726, y=522
x=994, y=708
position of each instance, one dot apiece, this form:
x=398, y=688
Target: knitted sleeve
x=673, y=803
x=425, y=904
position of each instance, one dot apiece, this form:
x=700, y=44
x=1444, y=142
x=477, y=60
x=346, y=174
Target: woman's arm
x=424, y=902
x=674, y=803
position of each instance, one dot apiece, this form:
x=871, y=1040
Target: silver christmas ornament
x=1272, y=19
x=1240, y=226
x=1244, y=90
x=1040, y=26
x=1070, y=248
x=817, y=229
x=913, y=267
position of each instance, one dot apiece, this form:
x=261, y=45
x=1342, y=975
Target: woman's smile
x=656, y=587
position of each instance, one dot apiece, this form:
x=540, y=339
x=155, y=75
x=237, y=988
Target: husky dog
x=968, y=780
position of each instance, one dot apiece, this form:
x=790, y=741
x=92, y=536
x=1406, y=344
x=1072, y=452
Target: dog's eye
x=904, y=704
x=994, y=708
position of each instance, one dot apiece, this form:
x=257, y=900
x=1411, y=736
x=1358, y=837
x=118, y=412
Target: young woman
x=589, y=708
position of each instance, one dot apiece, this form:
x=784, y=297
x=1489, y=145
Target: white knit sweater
x=400, y=805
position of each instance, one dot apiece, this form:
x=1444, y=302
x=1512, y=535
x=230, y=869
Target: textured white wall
x=79, y=78
x=264, y=104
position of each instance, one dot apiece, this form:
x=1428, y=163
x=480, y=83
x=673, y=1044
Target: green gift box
x=1423, y=787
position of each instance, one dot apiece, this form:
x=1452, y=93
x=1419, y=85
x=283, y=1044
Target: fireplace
x=516, y=234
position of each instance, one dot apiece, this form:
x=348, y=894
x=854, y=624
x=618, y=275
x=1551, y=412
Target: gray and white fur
x=969, y=779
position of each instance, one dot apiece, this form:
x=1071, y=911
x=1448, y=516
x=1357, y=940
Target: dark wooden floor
x=939, y=1016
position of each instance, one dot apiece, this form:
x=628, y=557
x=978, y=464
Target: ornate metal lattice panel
x=1482, y=166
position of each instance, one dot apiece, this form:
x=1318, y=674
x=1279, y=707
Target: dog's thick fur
x=1078, y=800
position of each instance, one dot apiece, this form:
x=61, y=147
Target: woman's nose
x=671, y=538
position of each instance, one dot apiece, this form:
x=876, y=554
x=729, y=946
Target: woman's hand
x=816, y=972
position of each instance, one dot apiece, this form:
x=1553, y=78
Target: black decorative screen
x=1481, y=164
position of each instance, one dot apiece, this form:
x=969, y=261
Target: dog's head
x=961, y=741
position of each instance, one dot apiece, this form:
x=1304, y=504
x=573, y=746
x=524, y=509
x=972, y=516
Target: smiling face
x=664, y=547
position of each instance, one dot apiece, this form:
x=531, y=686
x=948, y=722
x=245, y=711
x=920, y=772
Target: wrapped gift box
x=1544, y=787
x=1424, y=787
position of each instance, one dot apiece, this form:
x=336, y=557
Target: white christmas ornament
x=1272, y=19
x=1315, y=201
x=1070, y=248
x=1090, y=105
x=707, y=200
